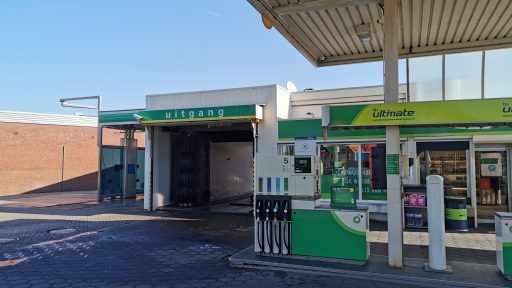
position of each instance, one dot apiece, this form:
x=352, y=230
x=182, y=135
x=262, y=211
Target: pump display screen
x=302, y=165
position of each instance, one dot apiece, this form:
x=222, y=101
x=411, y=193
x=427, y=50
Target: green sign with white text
x=200, y=114
x=423, y=113
x=392, y=164
x=488, y=161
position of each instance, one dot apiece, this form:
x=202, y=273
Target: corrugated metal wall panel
x=48, y=119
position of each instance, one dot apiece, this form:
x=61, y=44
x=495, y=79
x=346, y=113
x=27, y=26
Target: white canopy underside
x=324, y=31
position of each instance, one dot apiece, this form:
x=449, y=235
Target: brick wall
x=31, y=157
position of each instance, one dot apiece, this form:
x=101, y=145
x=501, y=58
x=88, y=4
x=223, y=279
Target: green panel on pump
x=337, y=234
x=507, y=258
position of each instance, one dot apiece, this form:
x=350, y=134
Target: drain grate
x=62, y=231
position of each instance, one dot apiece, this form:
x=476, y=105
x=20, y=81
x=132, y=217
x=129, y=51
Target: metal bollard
x=436, y=232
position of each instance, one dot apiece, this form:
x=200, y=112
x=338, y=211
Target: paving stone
x=117, y=244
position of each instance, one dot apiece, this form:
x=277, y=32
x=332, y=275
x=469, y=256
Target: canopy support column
x=395, y=229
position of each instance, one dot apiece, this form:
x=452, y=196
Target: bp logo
x=357, y=219
x=351, y=190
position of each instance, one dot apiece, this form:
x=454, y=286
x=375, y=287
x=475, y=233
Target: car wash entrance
x=201, y=155
x=211, y=163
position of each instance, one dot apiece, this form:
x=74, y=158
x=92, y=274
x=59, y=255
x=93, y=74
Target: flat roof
x=48, y=119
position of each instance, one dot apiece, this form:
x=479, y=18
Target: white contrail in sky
x=206, y=11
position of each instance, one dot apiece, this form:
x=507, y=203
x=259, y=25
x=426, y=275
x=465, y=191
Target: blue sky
x=126, y=49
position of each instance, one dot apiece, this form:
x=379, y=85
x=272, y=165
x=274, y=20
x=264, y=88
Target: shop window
x=497, y=82
x=446, y=159
x=339, y=167
x=463, y=76
x=373, y=170
x=425, y=78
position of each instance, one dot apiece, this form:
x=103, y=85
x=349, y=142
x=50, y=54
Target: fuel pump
x=260, y=225
x=286, y=182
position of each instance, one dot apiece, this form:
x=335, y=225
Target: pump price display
x=392, y=164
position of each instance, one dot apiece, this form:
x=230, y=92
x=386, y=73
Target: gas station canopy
x=332, y=32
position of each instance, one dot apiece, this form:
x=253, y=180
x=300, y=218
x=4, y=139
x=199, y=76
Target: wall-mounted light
x=137, y=117
x=311, y=114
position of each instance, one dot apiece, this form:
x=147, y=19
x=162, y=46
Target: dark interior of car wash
x=211, y=163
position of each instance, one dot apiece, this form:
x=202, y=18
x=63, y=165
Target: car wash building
x=200, y=146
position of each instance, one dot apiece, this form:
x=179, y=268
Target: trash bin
x=456, y=213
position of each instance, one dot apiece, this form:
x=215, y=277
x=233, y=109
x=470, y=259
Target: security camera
x=137, y=117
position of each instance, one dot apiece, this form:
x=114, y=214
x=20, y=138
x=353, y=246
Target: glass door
x=491, y=182
x=111, y=171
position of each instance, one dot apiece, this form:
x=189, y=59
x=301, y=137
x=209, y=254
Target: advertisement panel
x=422, y=113
x=490, y=165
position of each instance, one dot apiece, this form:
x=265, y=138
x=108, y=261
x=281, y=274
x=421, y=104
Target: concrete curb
x=247, y=259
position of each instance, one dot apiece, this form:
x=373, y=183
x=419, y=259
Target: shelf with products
x=415, y=206
x=453, y=168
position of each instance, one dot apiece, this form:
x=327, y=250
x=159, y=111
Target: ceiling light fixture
x=364, y=32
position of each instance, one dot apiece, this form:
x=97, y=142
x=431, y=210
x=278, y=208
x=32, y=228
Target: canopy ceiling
x=324, y=31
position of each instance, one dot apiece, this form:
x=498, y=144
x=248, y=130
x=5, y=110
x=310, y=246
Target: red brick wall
x=31, y=157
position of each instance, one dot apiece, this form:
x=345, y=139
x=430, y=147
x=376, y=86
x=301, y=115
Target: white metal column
x=395, y=229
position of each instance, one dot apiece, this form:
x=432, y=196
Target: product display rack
x=453, y=169
x=415, y=210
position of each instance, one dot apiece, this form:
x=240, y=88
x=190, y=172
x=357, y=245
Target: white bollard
x=435, y=211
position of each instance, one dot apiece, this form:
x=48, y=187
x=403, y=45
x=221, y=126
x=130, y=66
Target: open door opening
x=211, y=163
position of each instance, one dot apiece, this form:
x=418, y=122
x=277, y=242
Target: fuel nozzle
x=259, y=207
x=287, y=210
x=276, y=210
x=268, y=209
